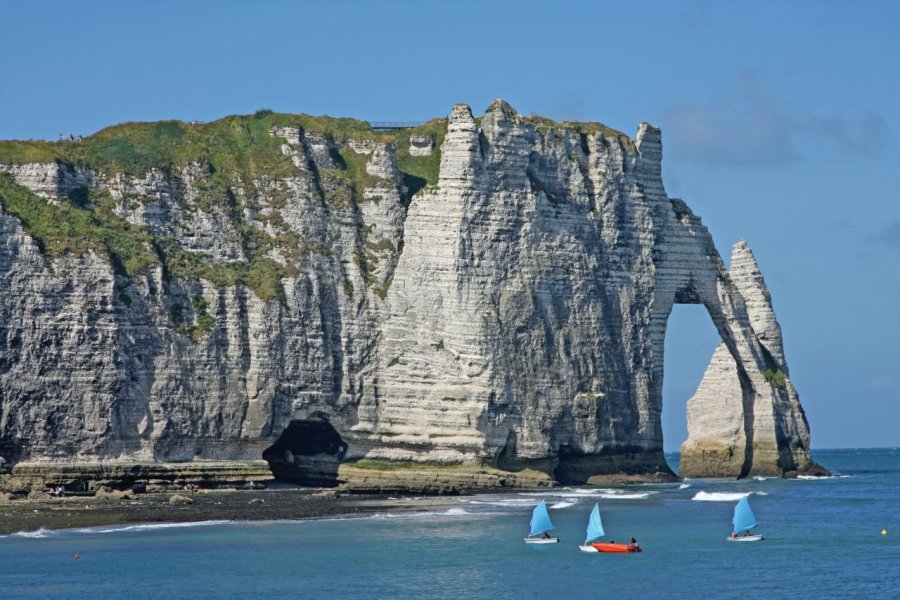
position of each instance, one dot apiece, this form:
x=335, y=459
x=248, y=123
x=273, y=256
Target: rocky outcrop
x=735, y=417
x=336, y=300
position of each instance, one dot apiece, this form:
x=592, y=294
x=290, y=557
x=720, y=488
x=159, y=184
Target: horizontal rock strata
x=473, y=291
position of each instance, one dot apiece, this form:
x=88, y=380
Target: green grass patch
x=353, y=173
x=70, y=228
x=545, y=125
x=203, y=322
x=776, y=378
x=421, y=171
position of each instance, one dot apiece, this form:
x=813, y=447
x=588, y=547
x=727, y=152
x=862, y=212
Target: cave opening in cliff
x=691, y=338
x=307, y=452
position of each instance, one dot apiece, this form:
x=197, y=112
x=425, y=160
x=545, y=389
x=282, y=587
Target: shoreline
x=287, y=503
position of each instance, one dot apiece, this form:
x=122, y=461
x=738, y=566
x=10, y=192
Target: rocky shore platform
x=34, y=481
x=116, y=493
x=279, y=503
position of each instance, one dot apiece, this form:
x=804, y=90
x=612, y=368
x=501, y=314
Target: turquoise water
x=823, y=539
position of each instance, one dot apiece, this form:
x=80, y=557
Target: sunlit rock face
x=737, y=423
x=512, y=311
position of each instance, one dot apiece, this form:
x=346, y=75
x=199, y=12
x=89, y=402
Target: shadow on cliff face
x=308, y=452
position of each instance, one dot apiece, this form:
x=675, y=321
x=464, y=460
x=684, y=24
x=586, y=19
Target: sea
x=835, y=537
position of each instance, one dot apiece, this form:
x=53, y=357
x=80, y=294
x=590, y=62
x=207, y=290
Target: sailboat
x=743, y=522
x=540, y=525
x=594, y=530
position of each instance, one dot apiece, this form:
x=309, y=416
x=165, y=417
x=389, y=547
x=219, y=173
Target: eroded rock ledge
x=488, y=291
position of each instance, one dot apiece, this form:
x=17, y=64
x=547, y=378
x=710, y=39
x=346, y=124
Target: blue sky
x=780, y=126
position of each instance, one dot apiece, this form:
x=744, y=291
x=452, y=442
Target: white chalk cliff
x=513, y=312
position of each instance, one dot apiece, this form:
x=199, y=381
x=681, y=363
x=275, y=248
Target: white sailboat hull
x=745, y=538
x=587, y=548
x=553, y=540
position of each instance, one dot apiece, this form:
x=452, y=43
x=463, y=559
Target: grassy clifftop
x=234, y=152
x=236, y=144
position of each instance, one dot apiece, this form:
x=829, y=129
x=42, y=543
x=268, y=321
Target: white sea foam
x=40, y=533
x=508, y=502
x=565, y=504
x=684, y=486
x=452, y=512
x=457, y=511
x=148, y=526
x=624, y=496
x=815, y=477
x=566, y=492
x=579, y=493
x=719, y=496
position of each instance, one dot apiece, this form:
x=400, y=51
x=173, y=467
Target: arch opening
x=690, y=340
x=307, y=452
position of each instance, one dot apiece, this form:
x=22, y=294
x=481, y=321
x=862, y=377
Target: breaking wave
x=507, y=503
x=720, y=496
x=457, y=511
x=38, y=534
x=564, y=504
x=580, y=493
x=148, y=526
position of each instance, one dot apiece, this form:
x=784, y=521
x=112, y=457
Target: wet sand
x=207, y=505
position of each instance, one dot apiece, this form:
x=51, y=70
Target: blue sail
x=743, y=517
x=595, y=525
x=540, y=520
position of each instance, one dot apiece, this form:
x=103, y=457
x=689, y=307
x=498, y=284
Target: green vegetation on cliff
x=421, y=171
x=87, y=223
x=233, y=158
x=70, y=228
x=238, y=146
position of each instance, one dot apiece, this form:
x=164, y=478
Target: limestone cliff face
x=511, y=311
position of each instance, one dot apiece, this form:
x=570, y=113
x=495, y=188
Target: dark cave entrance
x=307, y=452
x=691, y=338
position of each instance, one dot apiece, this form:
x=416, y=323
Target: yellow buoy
x=884, y=532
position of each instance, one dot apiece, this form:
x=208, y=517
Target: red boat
x=616, y=548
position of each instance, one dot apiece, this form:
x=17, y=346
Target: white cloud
x=752, y=127
x=881, y=383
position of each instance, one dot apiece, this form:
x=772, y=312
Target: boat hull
x=745, y=538
x=588, y=548
x=552, y=540
x=613, y=548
